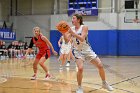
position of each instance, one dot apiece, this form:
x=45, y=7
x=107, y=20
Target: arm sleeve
x=31, y=43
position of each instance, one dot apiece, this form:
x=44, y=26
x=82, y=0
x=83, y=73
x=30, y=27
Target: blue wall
x=54, y=37
x=109, y=42
x=129, y=42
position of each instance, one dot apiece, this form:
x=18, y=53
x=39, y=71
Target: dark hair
x=78, y=16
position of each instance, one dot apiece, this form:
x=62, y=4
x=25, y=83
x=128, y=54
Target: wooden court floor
x=123, y=73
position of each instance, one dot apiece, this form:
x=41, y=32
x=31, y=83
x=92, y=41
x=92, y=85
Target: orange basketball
x=62, y=27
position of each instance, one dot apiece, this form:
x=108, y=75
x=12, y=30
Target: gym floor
x=122, y=73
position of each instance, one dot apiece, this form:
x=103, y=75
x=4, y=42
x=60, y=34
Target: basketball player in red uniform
x=44, y=46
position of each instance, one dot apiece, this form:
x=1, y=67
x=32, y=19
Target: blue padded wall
x=54, y=37
x=109, y=42
x=129, y=42
x=99, y=41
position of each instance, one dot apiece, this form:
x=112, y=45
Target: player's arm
x=59, y=42
x=71, y=41
x=82, y=36
x=49, y=43
x=28, y=51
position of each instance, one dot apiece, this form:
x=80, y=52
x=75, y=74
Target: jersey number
x=77, y=41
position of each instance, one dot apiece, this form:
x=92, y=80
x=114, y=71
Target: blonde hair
x=37, y=28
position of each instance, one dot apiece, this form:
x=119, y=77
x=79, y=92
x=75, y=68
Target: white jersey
x=64, y=43
x=65, y=47
x=82, y=50
x=78, y=45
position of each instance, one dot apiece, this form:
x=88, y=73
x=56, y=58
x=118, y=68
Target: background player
x=44, y=53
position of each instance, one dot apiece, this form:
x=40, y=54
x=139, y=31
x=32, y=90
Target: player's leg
x=36, y=61
x=41, y=62
x=79, y=63
x=97, y=62
x=68, y=59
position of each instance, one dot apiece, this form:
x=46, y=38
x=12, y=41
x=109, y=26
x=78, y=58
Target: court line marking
x=72, y=82
x=52, y=79
x=2, y=80
x=107, y=67
x=126, y=80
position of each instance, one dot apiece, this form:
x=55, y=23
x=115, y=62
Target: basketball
x=62, y=27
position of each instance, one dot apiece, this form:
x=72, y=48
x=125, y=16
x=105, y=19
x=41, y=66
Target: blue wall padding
x=54, y=38
x=109, y=42
x=99, y=41
x=129, y=42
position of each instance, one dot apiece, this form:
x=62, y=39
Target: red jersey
x=41, y=44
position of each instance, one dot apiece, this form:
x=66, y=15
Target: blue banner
x=7, y=34
x=89, y=12
x=84, y=7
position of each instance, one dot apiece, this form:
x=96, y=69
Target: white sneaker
x=33, y=77
x=105, y=85
x=79, y=90
x=61, y=67
x=47, y=77
x=68, y=64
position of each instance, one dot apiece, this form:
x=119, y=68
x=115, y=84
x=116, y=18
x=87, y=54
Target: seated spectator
x=31, y=53
x=25, y=46
x=3, y=50
x=11, y=49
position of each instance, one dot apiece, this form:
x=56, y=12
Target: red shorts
x=44, y=53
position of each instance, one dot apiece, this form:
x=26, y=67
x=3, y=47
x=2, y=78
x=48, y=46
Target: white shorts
x=86, y=54
x=65, y=49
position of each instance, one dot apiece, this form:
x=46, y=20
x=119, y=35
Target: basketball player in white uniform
x=65, y=48
x=83, y=52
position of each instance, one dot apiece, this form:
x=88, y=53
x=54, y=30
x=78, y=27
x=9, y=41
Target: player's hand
x=55, y=53
x=70, y=31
